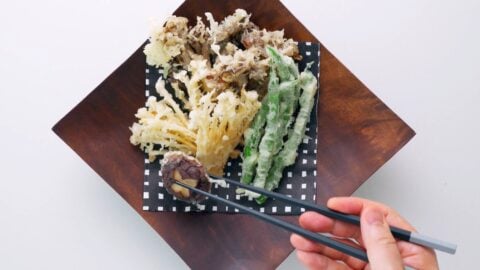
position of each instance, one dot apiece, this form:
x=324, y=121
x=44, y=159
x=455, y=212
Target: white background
x=421, y=57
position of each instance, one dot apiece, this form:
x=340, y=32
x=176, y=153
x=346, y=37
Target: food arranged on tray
x=230, y=89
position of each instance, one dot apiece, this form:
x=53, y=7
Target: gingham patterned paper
x=299, y=180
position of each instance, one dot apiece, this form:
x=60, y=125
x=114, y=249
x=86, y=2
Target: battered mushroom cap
x=188, y=170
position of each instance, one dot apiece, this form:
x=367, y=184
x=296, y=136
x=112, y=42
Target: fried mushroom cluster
x=232, y=50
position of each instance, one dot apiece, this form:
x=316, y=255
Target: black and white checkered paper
x=299, y=180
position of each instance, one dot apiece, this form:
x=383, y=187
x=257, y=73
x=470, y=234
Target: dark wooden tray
x=357, y=134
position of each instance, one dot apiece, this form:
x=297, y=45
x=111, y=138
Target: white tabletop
x=421, y=58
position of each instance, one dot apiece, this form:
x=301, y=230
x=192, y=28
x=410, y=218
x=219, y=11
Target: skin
x=373, y=235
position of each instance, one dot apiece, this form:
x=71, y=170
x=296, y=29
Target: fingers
x=306, y=245
x=414, y=256
x=318, y=223
x=381, y=247
x=354, y=206
x=315, y=222
x=317, y=261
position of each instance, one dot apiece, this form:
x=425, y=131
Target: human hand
x=373, y=235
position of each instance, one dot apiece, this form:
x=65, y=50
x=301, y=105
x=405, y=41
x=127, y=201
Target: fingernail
x=374, y=217
x=332, y=202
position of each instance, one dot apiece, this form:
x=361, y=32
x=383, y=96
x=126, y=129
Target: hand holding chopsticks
x=342, y=247
x=398, y=233
x=373, y=235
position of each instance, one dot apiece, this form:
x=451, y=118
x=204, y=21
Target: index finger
x=316, y=222
x=354, y=206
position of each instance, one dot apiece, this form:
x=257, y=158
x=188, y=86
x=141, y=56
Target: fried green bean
x=281, y=112
x=265, y=153
x=288, y=154
x=254, y=134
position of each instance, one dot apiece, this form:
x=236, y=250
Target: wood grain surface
x=357, y=134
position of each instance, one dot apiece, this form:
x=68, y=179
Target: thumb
x=381, y=247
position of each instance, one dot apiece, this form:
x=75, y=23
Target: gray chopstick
x=398, y=233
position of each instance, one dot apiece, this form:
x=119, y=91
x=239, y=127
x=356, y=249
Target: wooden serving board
x=357, y=134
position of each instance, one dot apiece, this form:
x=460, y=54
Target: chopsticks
x=398, y=233
x=342, y=247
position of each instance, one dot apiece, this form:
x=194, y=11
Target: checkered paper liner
x=299, y=180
